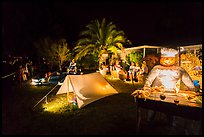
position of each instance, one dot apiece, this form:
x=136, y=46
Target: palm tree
x=99, y=38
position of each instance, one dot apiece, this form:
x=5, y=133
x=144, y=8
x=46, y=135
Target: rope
x=49, y=91
x=46, y=95
x=8, y=75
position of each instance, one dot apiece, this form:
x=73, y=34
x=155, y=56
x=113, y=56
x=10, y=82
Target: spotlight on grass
x=58, y=105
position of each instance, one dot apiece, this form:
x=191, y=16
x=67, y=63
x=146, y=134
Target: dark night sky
x=156, y=23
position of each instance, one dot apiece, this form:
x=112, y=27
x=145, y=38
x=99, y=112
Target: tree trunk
x=60, y=66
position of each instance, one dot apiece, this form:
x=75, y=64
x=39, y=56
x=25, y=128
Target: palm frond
x=84, y=41
x=103, y=36
x=119, y=38
x=83, y=51
x=85, y=33
x=113, y=49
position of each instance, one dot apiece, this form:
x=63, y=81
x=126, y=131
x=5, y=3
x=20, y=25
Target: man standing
x=72, y=69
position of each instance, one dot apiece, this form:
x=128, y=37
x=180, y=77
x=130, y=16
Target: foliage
x=189, y=61
x=88, y=62
x=99, y=38
x=62, y=53
x=134, y=56
x=42, y=47
x=56, y=52
x=58, y=104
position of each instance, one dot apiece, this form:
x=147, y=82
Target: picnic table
x=187, y=104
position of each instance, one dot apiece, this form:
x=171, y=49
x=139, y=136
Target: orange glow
x=71, y=97
x=167, y=61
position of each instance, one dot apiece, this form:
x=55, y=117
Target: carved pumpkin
x=167, y=61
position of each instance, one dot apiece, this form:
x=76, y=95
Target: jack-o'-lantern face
x=167, y=61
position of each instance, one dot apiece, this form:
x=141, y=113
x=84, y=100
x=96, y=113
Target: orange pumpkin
x=167, y=61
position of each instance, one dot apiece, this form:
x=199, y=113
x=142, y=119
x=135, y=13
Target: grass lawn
x=111, y=115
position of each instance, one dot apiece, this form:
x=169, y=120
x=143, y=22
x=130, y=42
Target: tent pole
x=68, y=93
x=179, y=56
x=45, y=96
x=68, y=98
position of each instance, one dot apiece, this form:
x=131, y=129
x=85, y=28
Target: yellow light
x=104, y=86
x=56, y=106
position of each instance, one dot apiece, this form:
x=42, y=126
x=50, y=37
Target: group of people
x=24, y=72
x=135, y=71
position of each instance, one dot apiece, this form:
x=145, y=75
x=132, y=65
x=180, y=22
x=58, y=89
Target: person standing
x=137, y=70
x=111, y=67
x=143, y=72
x=117, y=66
x=23, y=73
x=30, y=68
x=132, y=71
x=72, y=69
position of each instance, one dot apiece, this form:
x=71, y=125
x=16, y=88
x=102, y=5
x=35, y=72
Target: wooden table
x=185, y=108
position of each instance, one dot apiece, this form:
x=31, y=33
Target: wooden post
x=143, y=52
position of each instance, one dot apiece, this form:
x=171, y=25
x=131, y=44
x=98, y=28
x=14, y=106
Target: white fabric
x=169, y=78
x=87, y=88
x=168, y=52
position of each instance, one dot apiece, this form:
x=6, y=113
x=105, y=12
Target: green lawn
x=114, y=114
